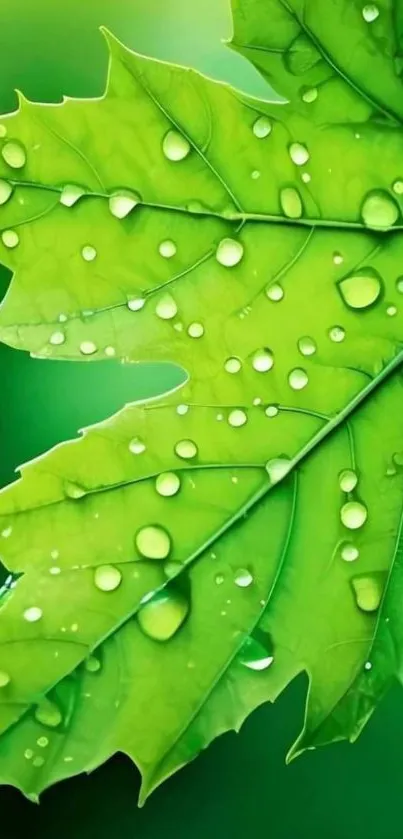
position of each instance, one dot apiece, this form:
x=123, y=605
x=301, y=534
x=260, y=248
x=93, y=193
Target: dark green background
x=240, y=787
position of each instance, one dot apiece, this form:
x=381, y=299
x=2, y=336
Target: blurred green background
x=240, y=786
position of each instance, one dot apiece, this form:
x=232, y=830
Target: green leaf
x=183, y=561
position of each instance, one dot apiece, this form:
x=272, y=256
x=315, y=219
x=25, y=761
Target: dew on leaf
x=162, y=615
x=175, y=146
x=92, y=664
x=338, y=259
x=290, y=201
x=370, y=12
x=33, y=614
x=348, y=480
x=237, y=418
x=337, y=334
x=48, y=713
x=5, y=191
x=4, y=679
x=153, y=542
x=167, y=249
x=136, y=446
x=361, y=289
x=122, y=202
x=135, y=303
x=167, y=484
x=368, y=591
x=88, y=348
x=243, y=578
x=271, y=410
x=166, y=308
x=28, y=754
x=14, y=154
x=219, y=579
x=277, y=468
x=255, y=174
x=42, y=742
x=38, y=762
x=73, y=490
x=307, y=345
x=70, y=194
x=399, y=285
x=353, y=515
x=107, y=577
x=305, y=177
x=298, y=378
x=54, y=570
x=88, y=253
x=57, y=338
x=229, y=252
x=379, y=210
x=391, y=311
x=10, y=238
x=275, y=292
x=186, y=449
x=349, y=552
x=172, y=568
x=309, y=94
x=110, y=352
x=262, y=360
x=232, y=365
x=182, y=410
x=256, y=655
x=262, y=127
x=196, y=330
x=299, y=154
x=397, y=187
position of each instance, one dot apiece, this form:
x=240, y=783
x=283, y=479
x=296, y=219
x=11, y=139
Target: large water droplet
x=175, y=146
x=10, y=238
x=233, y=365
x=299, y=154
x=348, y=480
x=122, y=202
x=277, y=468
x=337, y=334
x=349, y=552
x=89, y=253
x=167, y=248
x=370, y=12
x=229, y=252
x=70, y=194
x=298, y=378
x=307, y=346
x=361, y=289
x=353, y=515
x=167, y=484
x=33, y=614
x=196, y=330
x=107, y=577
x=88, y=348
x=243, y=578
x=186, y=449
x=379, y=210
x=162, y=615
x=48, y=713
x=262, y=360
x=290, y=201
x=166, y=307
x=5, y=191
x=262, y=127
x=275, y=292
x=237, y=418
x=136, y=303
x=136, y=446
x=14, y=154
x=256, y=654
x=4, y=679
x=153, y=542
x=368, y=590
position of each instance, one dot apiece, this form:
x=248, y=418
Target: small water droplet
x=73, y=490
x=6, y=191
x=353, y=515
x=368, y=590
x=167, y=248
x=3, y=130
x=379, y=210
x=229, y=252
x=107, y=577
x=277, y=468
x=88, y=252
x=153, y=542
x=38, y=762
x=175, y=146
x=305, y=177
x=309, y=94
x=361, y=289
x=54, y=570
x=196, y=330
x=298, y=378
x=237, y=418
x=186, y=449
x=136, y=303
x=70, y=194
x=10, y=238
x=33, y=614
x=370, y=12
x=256, y=655
x=172, y=568
x=28, y=754
x=4, y=679
x=219, y=579
x=42, y=742
x=243, y=578
x=167, y=484
x=367, y=665
x=122, y=202
x=338, y=259
x=166, y=307
x=391, y=311
x=307, y=345
x=57, y=338
x=349, y=552
x=136, y=446
x=182, y=410
x=398, y=187
x=47, y=713
x=291, y=203
x=262, y=127
x=88, y=348
x=399, y=285
x=110, y=352
x=92, y=664
x=233, y=365
x=348, y=480
x=14, y=154
x=337, y=334
x=299, y=154
x=272, y=410
x=275, y=292
x=255, y=174
x=162, y=616
x=262, y=360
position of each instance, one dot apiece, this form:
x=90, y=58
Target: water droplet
x=4, y=679
x=368, y=590
x=229, y=252
x=348, y=480
x=338, y=259
x=153, y=542
x=57, y=338
x=182, y=410
x=233, y=365
x=255, y=174
x=175, y=146
x=398, y=187
x=353, y=515
x=305, y=177
x=55, y=570
x=337, y=334
x=361, y=289
x=275, y=292
x=370, y=12
x=14, y=154
x=47, y=713
x=379, y=211
x=42, y=742
x=237, y=418
x=107, y=577
x=309, y=94
x=272, y=410
x=262, y=360
x=299, y=154
x=196, y=330
x=5, y=191
x=243, y=578
x=122, y=202
x=298, y=378
x=38, y=762
x=291, y=203
x=110, y=352
x=166, y=307
x=167, y=248
x=307, y=346
x=167, y=484
x=70, y=194
x=367, y=665
x=162, y=615
x=3, y=130
x=399, y=285
x=28, y=754
x=391, y=311
x=92, y=664
x=277, y=468
x=262, y=127
x=73, y=490
x=349, y=552
x=10, y=238
x=136, y=303
x=88, y=252
x=33, y=614
x=186, y=449
x=219, y=579
x=172, y=568
x=256, y=655
x=136, y=446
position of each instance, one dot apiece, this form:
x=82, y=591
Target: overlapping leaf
x=179, y=564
